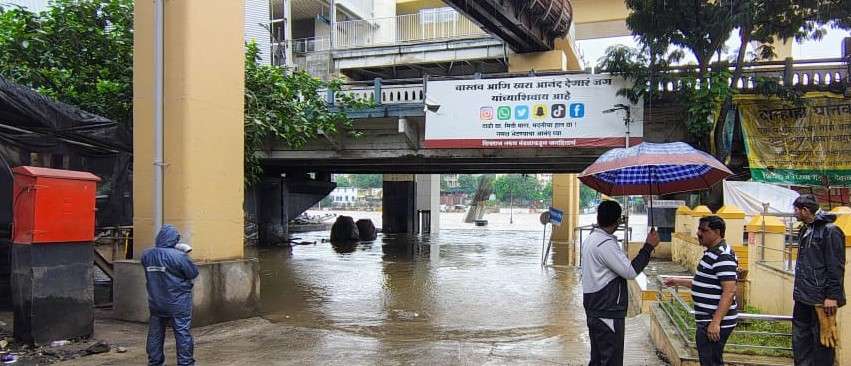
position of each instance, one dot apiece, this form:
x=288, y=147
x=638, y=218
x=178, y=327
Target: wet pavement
x=466, y=296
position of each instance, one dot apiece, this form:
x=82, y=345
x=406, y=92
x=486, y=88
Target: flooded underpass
x=465, y=296
x=468, y=296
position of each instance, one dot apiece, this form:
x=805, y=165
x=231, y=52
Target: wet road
x=465, y=296
x=469, y=296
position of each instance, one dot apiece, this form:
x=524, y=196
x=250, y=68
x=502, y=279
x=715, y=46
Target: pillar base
x=223, y=291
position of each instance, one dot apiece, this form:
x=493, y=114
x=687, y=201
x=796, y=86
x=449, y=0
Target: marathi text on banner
x=798, y=145
x=529, y=112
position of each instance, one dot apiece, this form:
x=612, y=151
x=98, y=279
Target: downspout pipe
x=159, y=30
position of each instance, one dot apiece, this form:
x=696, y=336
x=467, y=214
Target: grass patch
x=748, y=333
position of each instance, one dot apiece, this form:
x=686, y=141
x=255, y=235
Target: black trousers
x=806, y=346
x=711, y=353
x=606, y=344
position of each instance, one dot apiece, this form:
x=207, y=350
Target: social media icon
x=539, y=111
x=486, y=113
x=558, y=111
x=503, y=113
x=577, y=110
x=521, y=112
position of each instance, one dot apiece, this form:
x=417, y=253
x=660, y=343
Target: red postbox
x=53, y=206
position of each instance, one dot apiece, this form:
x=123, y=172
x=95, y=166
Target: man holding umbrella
x=605, y=270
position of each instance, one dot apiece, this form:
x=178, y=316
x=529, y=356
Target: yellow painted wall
x=203, y=125
x=413, y=6
x=587, y=11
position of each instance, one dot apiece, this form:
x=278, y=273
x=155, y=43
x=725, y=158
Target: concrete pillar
x=398, y=213
x=566, y=198
x=388, y=28
x=682, y=219
x=734, y=219
x=203, y=125
x=696, y=214
x=272, y=218
x=771, y=249
x=203, y=129
x=843, y=320
x=428, y=199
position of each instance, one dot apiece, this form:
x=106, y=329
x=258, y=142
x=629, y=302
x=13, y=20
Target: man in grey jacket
x=605, y=270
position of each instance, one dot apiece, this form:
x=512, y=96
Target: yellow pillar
x=843, y=353
x=696, y=214
x=682, y=219
x=734, y=218
x=565, y=186
x=203, y=128
x=775, y=233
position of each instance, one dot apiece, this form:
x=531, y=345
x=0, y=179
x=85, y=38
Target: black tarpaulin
x=35, y=130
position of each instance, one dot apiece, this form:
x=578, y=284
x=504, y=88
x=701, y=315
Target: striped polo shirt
x=718, y=264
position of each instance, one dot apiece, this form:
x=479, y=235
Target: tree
x=282, y=106
x=518, y=188
x=342, y=180
x=765, y=22
x=77, y=51
x=702, y=28
x=587, y=196
x=467, y=184
x=367, y=180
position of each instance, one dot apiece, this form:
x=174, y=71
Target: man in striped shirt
x=713, y=290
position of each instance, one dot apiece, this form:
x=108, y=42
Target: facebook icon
x=577, y=110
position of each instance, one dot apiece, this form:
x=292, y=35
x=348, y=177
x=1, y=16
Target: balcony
x=442, y=24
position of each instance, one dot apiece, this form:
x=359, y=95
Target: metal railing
x=675, y=308
x=409, y=28
x=623, y=241
x=440, y=24
x=786, y=262
x=814, y=73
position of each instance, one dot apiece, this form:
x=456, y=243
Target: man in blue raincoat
x=169, y=273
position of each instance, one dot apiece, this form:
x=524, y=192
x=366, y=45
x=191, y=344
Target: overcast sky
x=829, y=46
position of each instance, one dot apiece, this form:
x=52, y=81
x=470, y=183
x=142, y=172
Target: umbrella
x=652, y=169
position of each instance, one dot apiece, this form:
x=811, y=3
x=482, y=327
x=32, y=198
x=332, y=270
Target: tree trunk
x=718, y=131
x=477, y=209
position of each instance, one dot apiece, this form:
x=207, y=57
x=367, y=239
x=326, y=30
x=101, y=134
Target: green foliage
x=703, y=98
x=766, y=333
x=588, y=197
x=519, y=188
x=77, y=51
x=367, y=180
x=286, y=106
x=343, y=180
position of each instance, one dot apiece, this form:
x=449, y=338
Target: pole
x=510, y=205
x=159, y=30
x=543, y=246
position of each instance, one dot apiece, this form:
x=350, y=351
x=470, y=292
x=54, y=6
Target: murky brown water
x=476, y=286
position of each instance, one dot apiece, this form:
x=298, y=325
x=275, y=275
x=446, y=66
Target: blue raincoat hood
x=168, y=237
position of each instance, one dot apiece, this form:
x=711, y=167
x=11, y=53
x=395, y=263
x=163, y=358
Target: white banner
x=529, y=112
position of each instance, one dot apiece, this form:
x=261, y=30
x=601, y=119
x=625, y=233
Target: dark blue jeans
x=182, y=338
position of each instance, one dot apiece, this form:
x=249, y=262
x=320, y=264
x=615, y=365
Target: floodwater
x=467, y=295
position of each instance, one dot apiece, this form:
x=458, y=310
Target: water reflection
x=459, y=286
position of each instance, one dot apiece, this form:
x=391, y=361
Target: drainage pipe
x=159, y=27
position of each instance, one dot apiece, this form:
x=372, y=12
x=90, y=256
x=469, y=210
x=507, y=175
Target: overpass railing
x=426, y=26
x=806, y=74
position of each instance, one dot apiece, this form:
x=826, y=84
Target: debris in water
x=121, y=350
x=60, y=343
x=99, y=347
